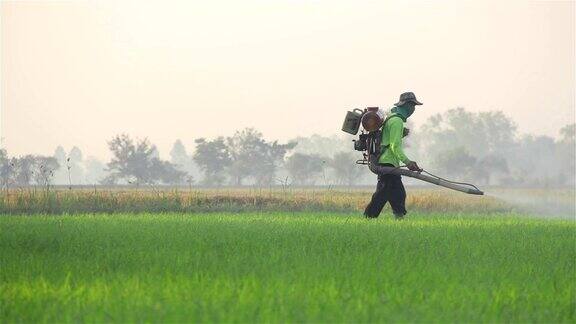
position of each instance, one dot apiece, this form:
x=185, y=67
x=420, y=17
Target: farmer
x=390, y=187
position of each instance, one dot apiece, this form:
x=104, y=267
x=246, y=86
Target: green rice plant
x=286, y=267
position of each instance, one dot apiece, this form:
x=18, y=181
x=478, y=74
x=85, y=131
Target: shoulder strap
x=390, y=116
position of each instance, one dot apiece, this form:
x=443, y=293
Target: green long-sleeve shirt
x=391, y=145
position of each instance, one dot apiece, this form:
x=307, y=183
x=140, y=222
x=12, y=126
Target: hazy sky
x=77, y=73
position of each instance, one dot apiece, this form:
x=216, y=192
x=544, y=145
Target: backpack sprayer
x=372, y=119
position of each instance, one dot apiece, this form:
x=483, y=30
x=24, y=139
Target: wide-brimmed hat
x=407, y=97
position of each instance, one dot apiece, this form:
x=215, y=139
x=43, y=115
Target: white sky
x=77, y=73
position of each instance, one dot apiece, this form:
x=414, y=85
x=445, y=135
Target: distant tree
x=137, y=162
x=243, y=148
x=178, y=155
x=568, y=134
x=213, y=158
x=252, y=156
x=536, y=159
x=305, y=168
x=6, y=169
x=27, y=170
x=75, y=155
x=130, y=161
x=155, y=154
x=488, y=167
x=183, y=161
x=271, y=156
x=166, y=172
x=60, y=154
x=95, y=170
x=498, y=130
x=566, y=152
x=75, y=163
x=456, y=163
x=24, y=168
x=346, y=171
x=61, y=174
x=44, y=170
x=481, y=133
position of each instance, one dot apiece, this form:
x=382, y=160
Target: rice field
x=279, y=260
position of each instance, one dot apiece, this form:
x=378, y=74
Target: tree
x=183, y=162
x=486, y=132
x=212, y=157
x=535, y=159
x=305, y=168
x=568, y=134
x=24, y=168
x=6, y=169
x=485, y=139
x=61, y=175
x=488, y=167
x=27, y=170
x=244, y=157
x=567, y=155
x=44, y=169
x=75, y=163
x=137, y=162
x=456, y=163
x=178, y=155
x=252, y=156
x=166, y=172
x=498, y=131
x=95, y=170
x=346, y=171
x=271, y=157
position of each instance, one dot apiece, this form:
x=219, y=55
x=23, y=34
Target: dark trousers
x=389, y=189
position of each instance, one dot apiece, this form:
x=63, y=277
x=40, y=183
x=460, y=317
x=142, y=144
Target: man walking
x=390, y=187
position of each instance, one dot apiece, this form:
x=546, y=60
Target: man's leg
x=397, y=196
x=378, y=201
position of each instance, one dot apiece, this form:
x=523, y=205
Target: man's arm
x=396, y=134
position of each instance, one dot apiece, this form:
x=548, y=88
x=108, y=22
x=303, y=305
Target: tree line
x=486, y=147
x=481, y=147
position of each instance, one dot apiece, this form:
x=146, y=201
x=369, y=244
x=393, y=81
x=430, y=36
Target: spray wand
x=427, y=177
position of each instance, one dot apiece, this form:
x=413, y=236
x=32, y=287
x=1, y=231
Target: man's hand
x=413, y=166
